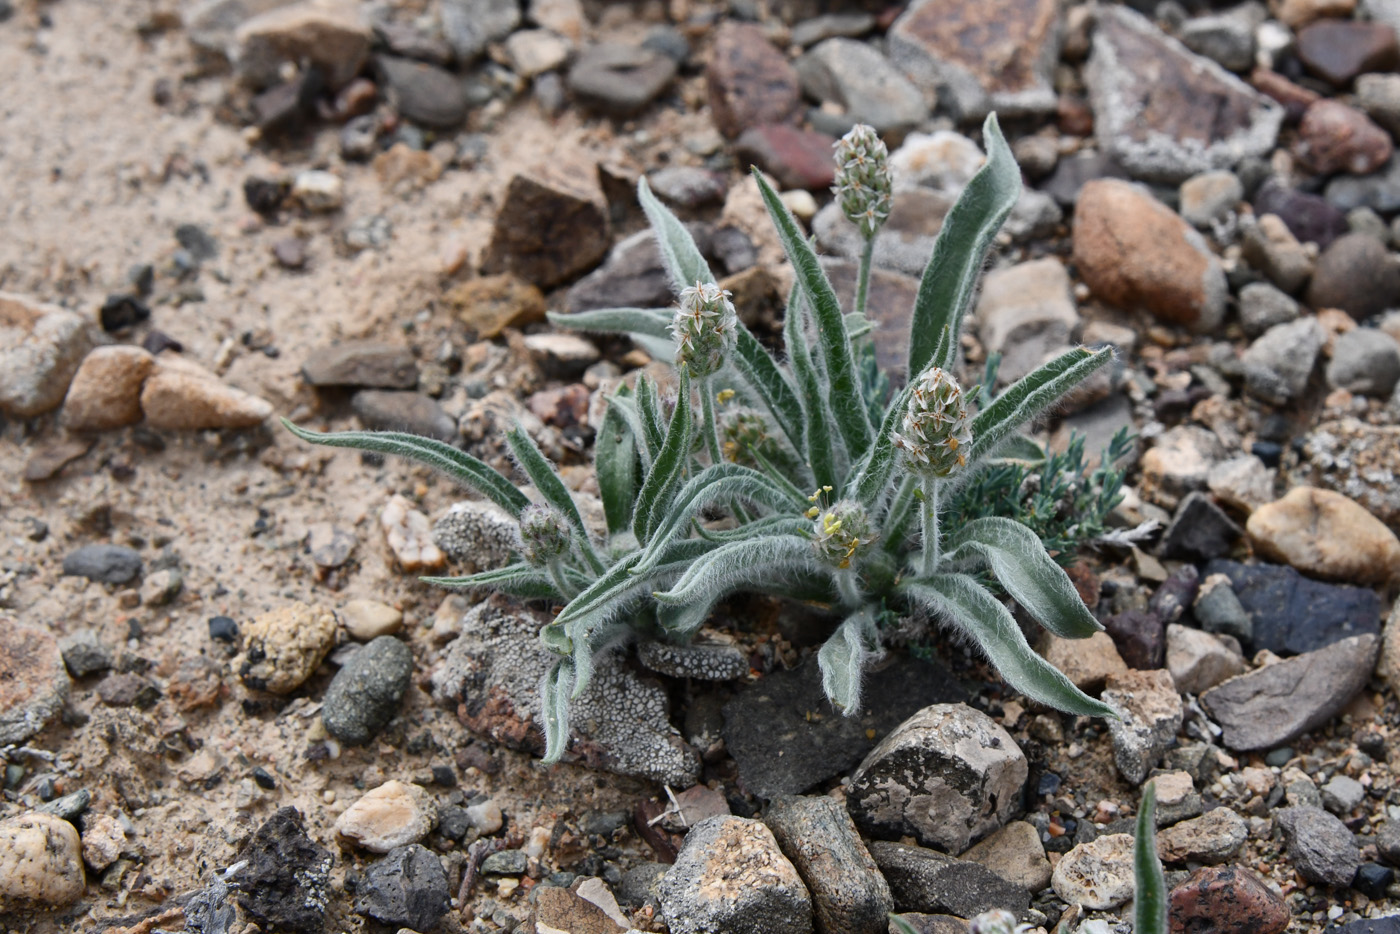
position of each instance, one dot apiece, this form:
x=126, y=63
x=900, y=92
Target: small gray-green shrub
x=834, y=489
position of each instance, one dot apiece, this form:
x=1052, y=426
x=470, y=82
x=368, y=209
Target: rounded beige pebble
x=183, y=396
x=103, y=839
x=283, y=647
x=40, y=863
x=394, y=814
x=370, y=619
x=1325, y=534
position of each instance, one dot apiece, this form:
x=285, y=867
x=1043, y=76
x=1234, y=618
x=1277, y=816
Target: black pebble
x=1372, y=879
x=264, y=778
x=121, y=311
x=223, y=629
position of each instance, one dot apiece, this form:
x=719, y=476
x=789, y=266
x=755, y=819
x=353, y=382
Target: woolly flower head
x=705, y=327
x=839, y=532
x=936, y=429
x=544, y=534
x=863, y=181
x=996, y=921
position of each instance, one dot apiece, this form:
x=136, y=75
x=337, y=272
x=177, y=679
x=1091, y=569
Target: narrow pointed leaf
x=845, y=404
x=768, y=525
x=668, y=468
x=542, y=474
x=679, y=253
x=1020, y=563
x=554, y=709
x=874, y=472
x=758, y=368
x=616, y=462
x=967, y=604
x=730, y=567
x=1150, y=883
x=686, y=619
x=900, y=925
x=950, y=278
x=590, y=638
x=842, y=661
x=820, y=452
x=614, y=585
x=518, y=580
x=1030, y=395
x=459, y=465
x=1018, y=449
x=649, y=408
x=647, y=322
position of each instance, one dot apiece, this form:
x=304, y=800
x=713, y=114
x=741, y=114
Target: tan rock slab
x=106, y=391
x=1327, y=535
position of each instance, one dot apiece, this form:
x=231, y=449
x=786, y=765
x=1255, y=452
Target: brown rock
x=559, y=909
x=1325, y=534
x=33, y=681
x=492, y=303
x=796, y=158
x=1016, y=854
x=1086, y=662
x=750, y=82
x=196, y=683
x=1333, y=137
x=361, y=363
x=106, y=392
x=331, y=35
x=179, y=395
x=403, y=169
x=1294, y=97
x=552, y=225
x=53, y=455
x=41, y=348
x=1295, y=14
x=1132, y=251
x=1338, y=50
x=1226, y=900
x=979, y=57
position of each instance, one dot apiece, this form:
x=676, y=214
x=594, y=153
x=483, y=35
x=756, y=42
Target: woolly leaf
x=647, y=322
x=820, y=452
x=679, y=253
x=1150, y=883
x=649, y=409
x=518, y=580
x=613, y=586
x=554, y=709
x=1030, y=395
x=542, y=474
x=734, y=565
x=459, y=465
x=668, y=468
x=615, y=460
x=758, y=368
x=874, y=472
x=842, y=660
x=967, y=605
x=950, y=278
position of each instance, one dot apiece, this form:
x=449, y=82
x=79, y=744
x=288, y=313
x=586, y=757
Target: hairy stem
x=929, y=514
x=707, y=405
x=561, y=583
x=848, y=588
x=867, y=258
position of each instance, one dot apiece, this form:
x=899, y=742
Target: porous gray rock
x=1364, y=361
x=849, y=895
x=407, y=888
x=284, y=881
x=1277, y=365
x=1321, y=847
x=1097, y=875
x=41, y=863
x=478, y=535
x=704, y=661
x=931, y=882
x=1151, y=711
x=364, y=695
x=947, y=776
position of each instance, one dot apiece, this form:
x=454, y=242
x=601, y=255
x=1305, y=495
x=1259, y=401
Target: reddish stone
x=1073, y=115
x=552, y=225
x=750, y=81
x=796, y=158
x=565, y=407
x=1333, y=137
x=1294, y=97
x=1338, y=50
x=1141, y=638
x=1226, y=900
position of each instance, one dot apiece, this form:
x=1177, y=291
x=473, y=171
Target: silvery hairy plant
x=800, y=475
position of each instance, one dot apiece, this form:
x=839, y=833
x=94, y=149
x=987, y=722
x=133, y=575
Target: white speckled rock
x=410, y=535
x=394, y=814
x=1097, y=875
x=40, y=863
x=41, y=347
x=283, y=647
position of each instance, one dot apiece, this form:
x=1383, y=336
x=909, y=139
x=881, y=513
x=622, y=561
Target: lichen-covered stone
x=479, y=536
x=1097, y=875
x=849, y=895
x=365, y=693
x=1214, y=837
x=283, y=647
x=713, y=661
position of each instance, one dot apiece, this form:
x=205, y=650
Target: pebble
x=1356, y=275
x=106, y=390
x=963, y=53
x=1317, y=684
x=1326, y=535
x=532, y=52
x=1379, y=96
x=285, y=883
x=84, y=654
x=1210, y=197
x=41, y=864
x=748, y=80
x=182, y=396
x=407, y=888
x=704, y=661
x=415, y=413
x=1263, y=306
x=1200, y=660
x=1086, y=662
x=551, y=226
x=620, y=80
x=470, y=25
x=485, y=817
x=1290, y=614
x=1214, y=837
x=424, y=93
x=365, y=694
x=1139, y=636
x=1224, y=899
x=318, y=191
x=848, y=892
x=796, y=158
x=1333, y=137
x=561, y=909
x=1151, y=710
x=103, y=839
x=365, y=619
x=857, y=78
x=1270, y=247
x=1226, y=39
x=488, y=305
x=284, y=647
x=1242, y=483
x=329, y=545
x=1199, y=531
x=392, y=815
x=950, y=752
x=1342, y=795
x=1097, y=875
x=1365, y=361
x=1132, y=250
x=931, y=882
x=332, y=36
x=41, y=349
x=1277, y=364
x=361, y=363
x=1319, y=845
x=410, y=536
x=1339, y=50
x=1016, y=854
x=1025, y=313
x=127, y=689
x=107, y=564
x=731, y=876
x=1310, y=217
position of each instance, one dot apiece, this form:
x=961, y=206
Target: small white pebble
x=1335, y=912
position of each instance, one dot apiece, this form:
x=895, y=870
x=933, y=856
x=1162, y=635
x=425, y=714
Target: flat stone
x=1179, y=462
x=107, y=564
x=1152, y=714
x=106, y=390
x=391, y=815
x=1165, y=113
x=1200, y=660
x=551, y=226
x=620, y=80
x=1221, y=899
x=1214, y=837
x=333, y=36
x=415, y=413
x=1086, y=662
x=749, y=81
x=857, y=78
x=41, y=349
x=33, y=682
x=1133, y=251
x=704, y=661
x=408, y=888
x=365, y=694
x=930, y=882
x=1333, y=137
x=731, y=876
x=796, y=158
x=1025, y=313
x=848, y=892
x=1321, y=847
x=1278, y=364
x=563, y=910
x=182, y=396
x=1338, y=50
x=632, y=276
x=1210, y=197
x=1292, y=614
x=1270, y=247
x=285, y=646
x=1326, y=535
x=1097, y=875
x=980, y=57
x=948, y=776
x=470, y=25
x=41, y=863
x=361, y=363
x=285, y=882
x=1016, y=854
x=424, y=93
x=1263, y=306
x=365, y=620
x=1316, y=686
x=1199, y=531
x=1356, y=275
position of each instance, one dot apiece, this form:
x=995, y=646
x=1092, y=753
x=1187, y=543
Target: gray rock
x=641, y=883
x=364, y=695
x=1262, y=306
x=731, y=876
x=947, y=776
x=1365, y=361
x=423, y=93
x=84, y=653
x=1355, y=274
x=687, y=186
x=1379, y=95
x=1151, y=711
x=930, y=882
x=1035, y=215
x=285, y=879
x=369, y=364
x=407, y=888
x=1210, y=197
x=1016, y=854
x=1199, y=531
x=849, y=895
x=1388, y=842
x=1219, y=611
x=1166, y=113
x=470, y=24
x=41, y=348
x=620, y=80
x=1199, y=660
x=632, y=276
x=1316, y=686
x=1277, y=365
x=1270, y=247
x=862, y=82
x=108, y=564
x=387, y=410
x=1214, y=837
x=1026, y=314
x=478, y=535
x=831, y=25
x=1320, y=846
x=1379, y=191
x=1225, y=38
x=1097, y=874
x=712, y=661
x=1342, y=795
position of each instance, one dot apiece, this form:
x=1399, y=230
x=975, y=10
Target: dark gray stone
x=1365, y=361
x=931, y=882
x=425, y=94
x=286, y=884
x=506, y=863
x=620, y=80
x=84, y=654
x=1320, y=846
x=1310, y=218
x=109, y=564
x=868, y=88
x=1219, y=611
x=1072, y=173
x=780, y=749
x=407, y=888
x=365, y=694
x=1388, y=842
x=1292, y=614
x=387, y=410
x=1356, y=275
x=632, y=276
x=1200, y=531
x=816, y=834
x=1379, y=191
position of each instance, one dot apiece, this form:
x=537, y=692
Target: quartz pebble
x=410, y=536
x=392, y=815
